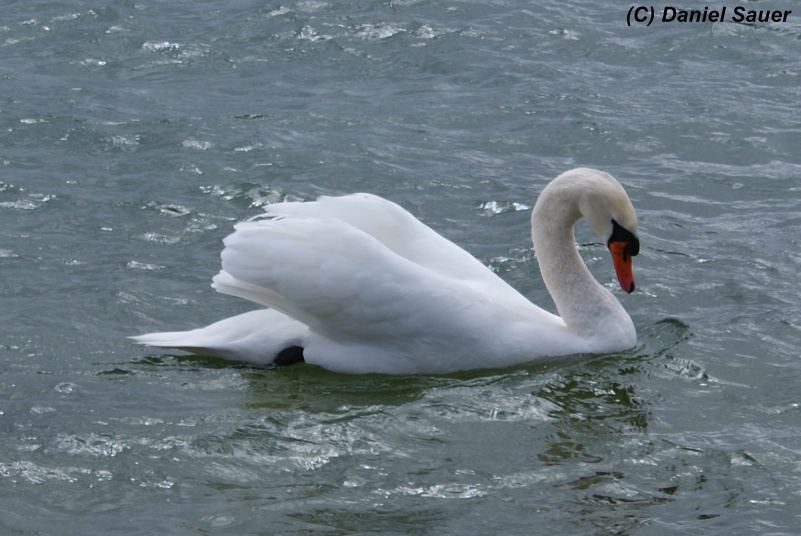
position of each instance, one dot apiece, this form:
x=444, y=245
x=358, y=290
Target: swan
x=356, y=284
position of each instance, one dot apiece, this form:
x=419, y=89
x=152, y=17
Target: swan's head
x=605, y=205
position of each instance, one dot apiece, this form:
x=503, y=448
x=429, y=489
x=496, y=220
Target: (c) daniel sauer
x=741, y=14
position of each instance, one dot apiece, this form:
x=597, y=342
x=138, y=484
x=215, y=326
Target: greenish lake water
x=133, y=135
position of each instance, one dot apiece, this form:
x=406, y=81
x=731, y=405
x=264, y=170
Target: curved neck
x=585, y=306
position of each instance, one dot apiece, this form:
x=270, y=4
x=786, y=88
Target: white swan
x=356, y=284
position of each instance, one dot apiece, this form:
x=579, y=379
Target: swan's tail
x=255, y=337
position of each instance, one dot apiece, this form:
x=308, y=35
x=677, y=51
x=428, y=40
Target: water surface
x=133, y=136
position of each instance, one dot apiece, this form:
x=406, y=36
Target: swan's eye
x=635, y=246
x=621, y=234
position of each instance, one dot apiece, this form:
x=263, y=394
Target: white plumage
x=362, y=286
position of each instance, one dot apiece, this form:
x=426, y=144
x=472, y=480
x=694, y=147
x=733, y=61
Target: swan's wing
x=354, y=292
x=323, y=272
x=403, y=234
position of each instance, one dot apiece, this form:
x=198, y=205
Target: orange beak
x=621, y=258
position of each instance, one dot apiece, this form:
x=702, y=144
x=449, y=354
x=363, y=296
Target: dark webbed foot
x=289, y=356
